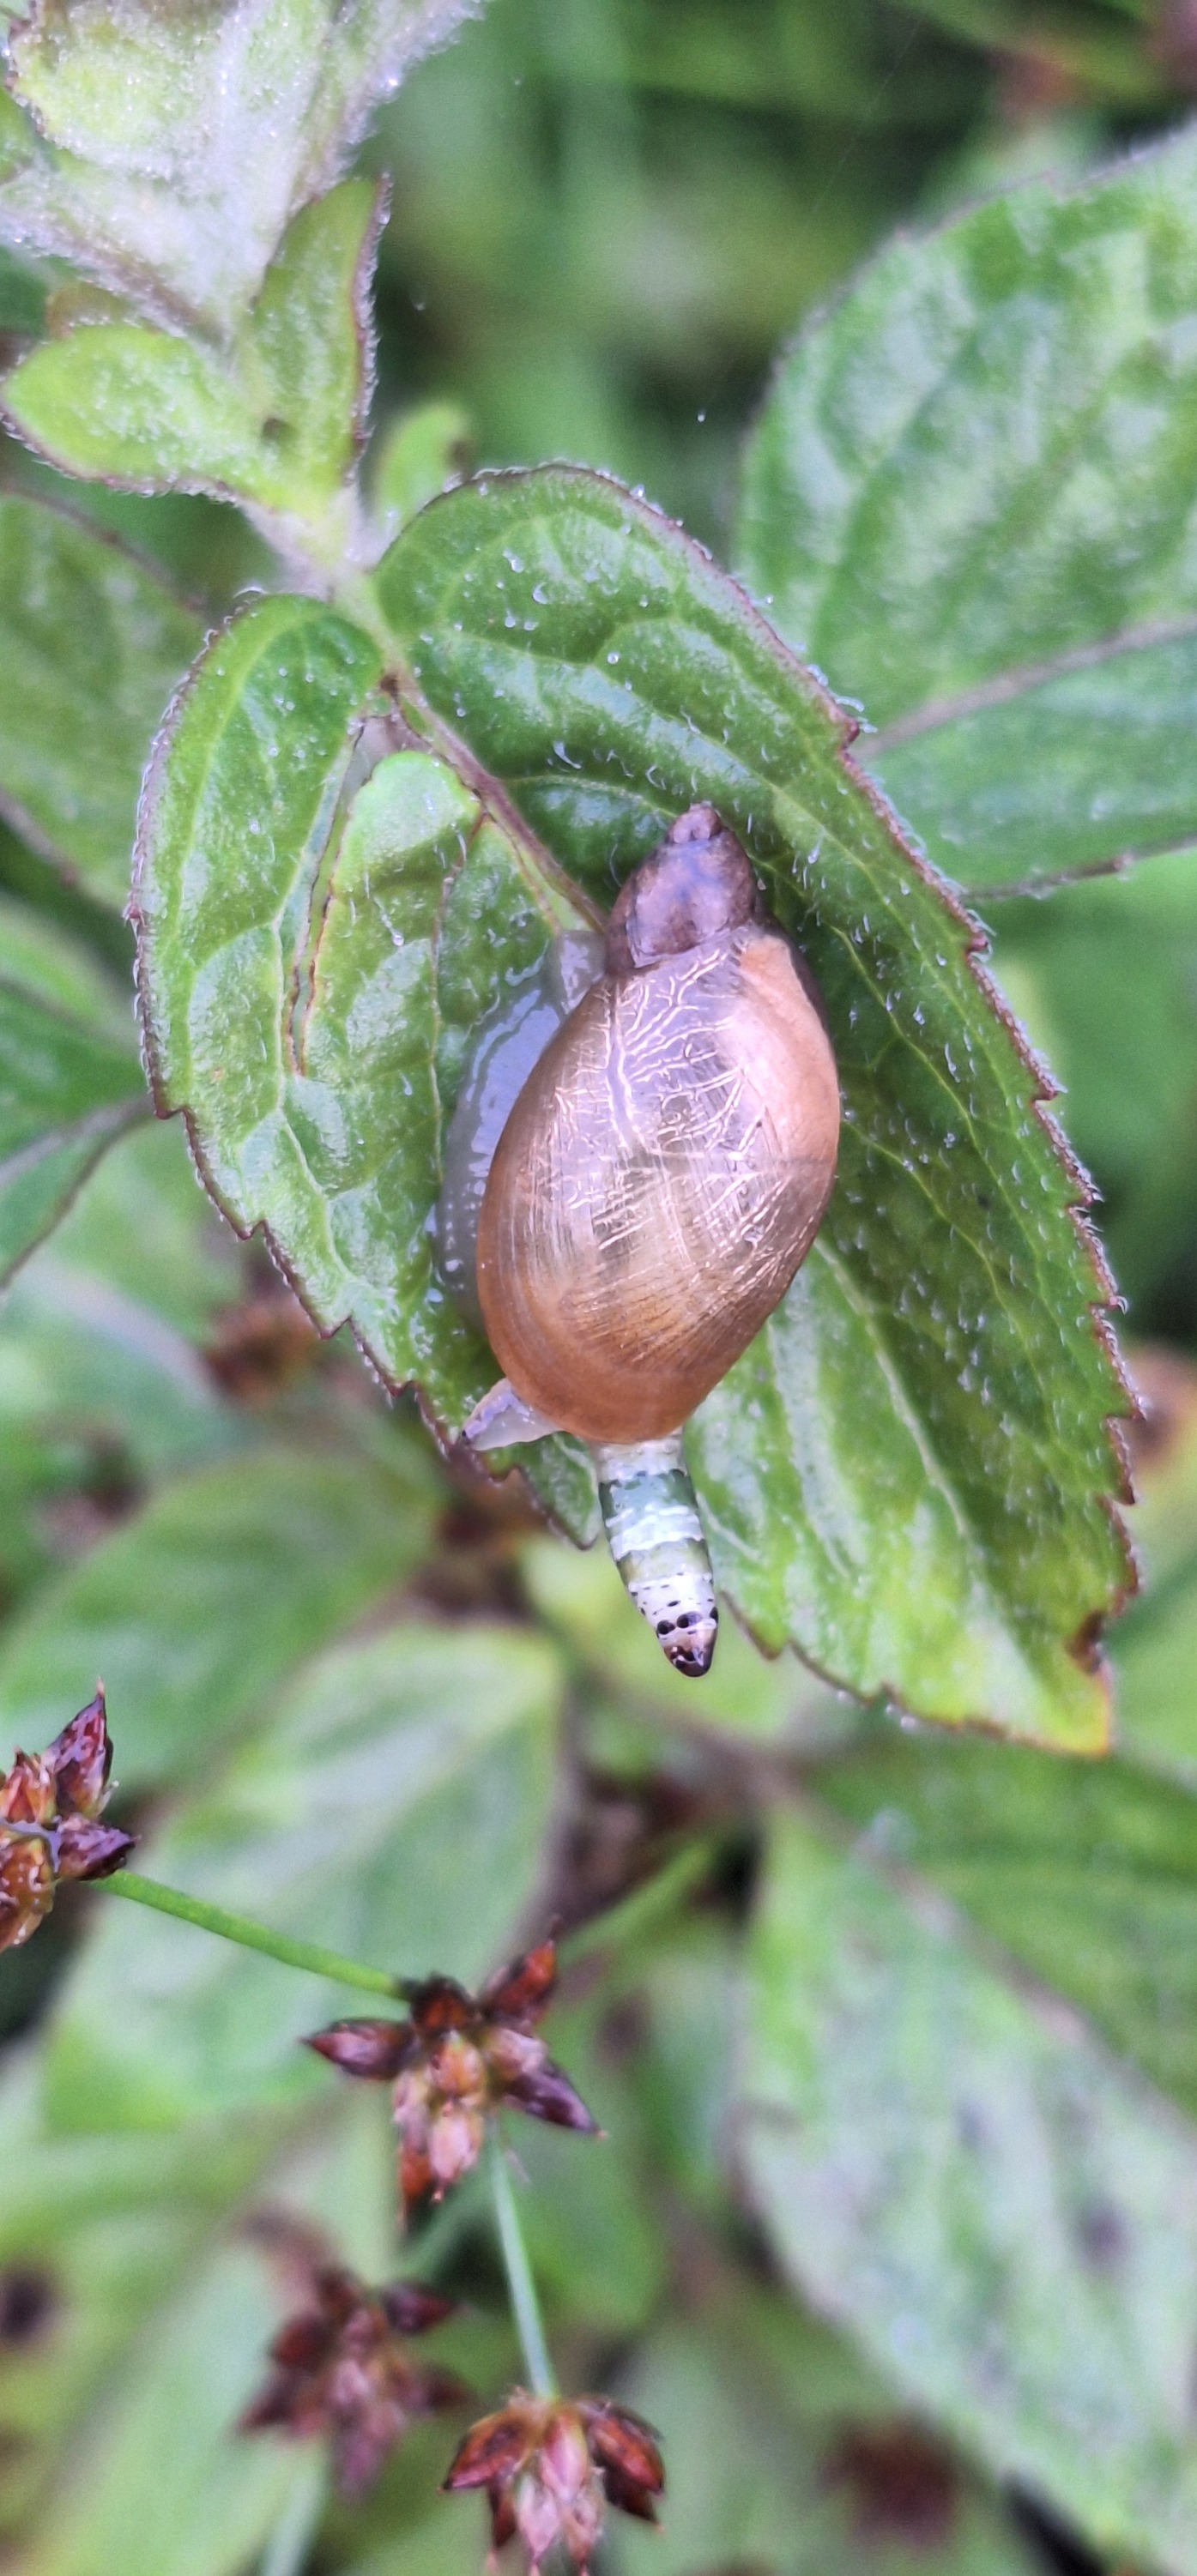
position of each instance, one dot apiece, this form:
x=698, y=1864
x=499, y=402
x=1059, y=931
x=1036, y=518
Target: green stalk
x=286, y=2551
x=524, y=2302
x=252, y=1936
x=622, y=1924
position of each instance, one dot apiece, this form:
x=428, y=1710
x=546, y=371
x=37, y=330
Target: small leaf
x=421, y=454
x=908, y=1474
x=397, y=921
x=955, y=2170
x=969, y=498
x=177, y=147
x=311, y=335
x=122, y=403
x=194, y=1609
x=70, y=1083
x=393, y=1809
x=93, y=644
x=22, y=297
x=277, y=421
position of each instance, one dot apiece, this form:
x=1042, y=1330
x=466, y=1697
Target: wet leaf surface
x=932, y=1389
x=313, y=961
x=970, y=498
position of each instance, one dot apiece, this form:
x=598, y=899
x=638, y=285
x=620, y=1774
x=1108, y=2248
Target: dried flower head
x=341, y=2368
x=550, y=2467
x=457, y=2059
x=49, y=1803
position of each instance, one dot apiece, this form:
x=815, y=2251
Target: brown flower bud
x=549, y=2467
x=455, y=2061
x=49, y=1803
x=341, y=2369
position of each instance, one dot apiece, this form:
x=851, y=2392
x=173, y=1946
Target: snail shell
x=508, y=1041
x=667, y=1162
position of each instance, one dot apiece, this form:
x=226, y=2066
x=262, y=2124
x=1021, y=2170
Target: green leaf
x=1155, y=1650
x=22, y=296
x=178, y=147
x=689, y=1998
x=1106, y=977
x=145, y=2472
x=394, y=1809
x=405, y=907
x=101, y=1385
x=969, y=499
x=1025, y=791
x=905, y=1474
x=954, y=2169
x=277, y=421
x=420, y=455
x=121, y=402
x=1156, y=1675
x=1087, y=1877
x=93, y=645
x=766, y=2420
x=104, y=2228
x=70, y=1081
x=192, y=1611
x=311, y=336
x=144, y=1232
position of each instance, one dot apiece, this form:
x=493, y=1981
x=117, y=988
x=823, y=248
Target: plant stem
x=252, y=1936
x=623, y=1923
x=524, y=2302
x=286, y=2551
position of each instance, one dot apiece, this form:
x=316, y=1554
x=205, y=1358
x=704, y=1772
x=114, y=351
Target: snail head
x=696, y=883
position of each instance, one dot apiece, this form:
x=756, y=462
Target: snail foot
x=655, y=1535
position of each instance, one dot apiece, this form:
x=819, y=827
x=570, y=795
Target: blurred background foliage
x=606, y=216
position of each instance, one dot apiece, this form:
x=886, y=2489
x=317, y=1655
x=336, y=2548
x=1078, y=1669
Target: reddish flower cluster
x=49, y=1803
x=457, y=2059
x=549, y=2467
x=341, y=2368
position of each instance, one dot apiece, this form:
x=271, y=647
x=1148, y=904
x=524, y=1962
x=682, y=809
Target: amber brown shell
x=659, y=1180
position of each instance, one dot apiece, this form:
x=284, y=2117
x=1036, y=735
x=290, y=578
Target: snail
x=648, y=1195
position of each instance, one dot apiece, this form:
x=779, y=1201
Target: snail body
x=508, y=1042
x=657, y=1181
